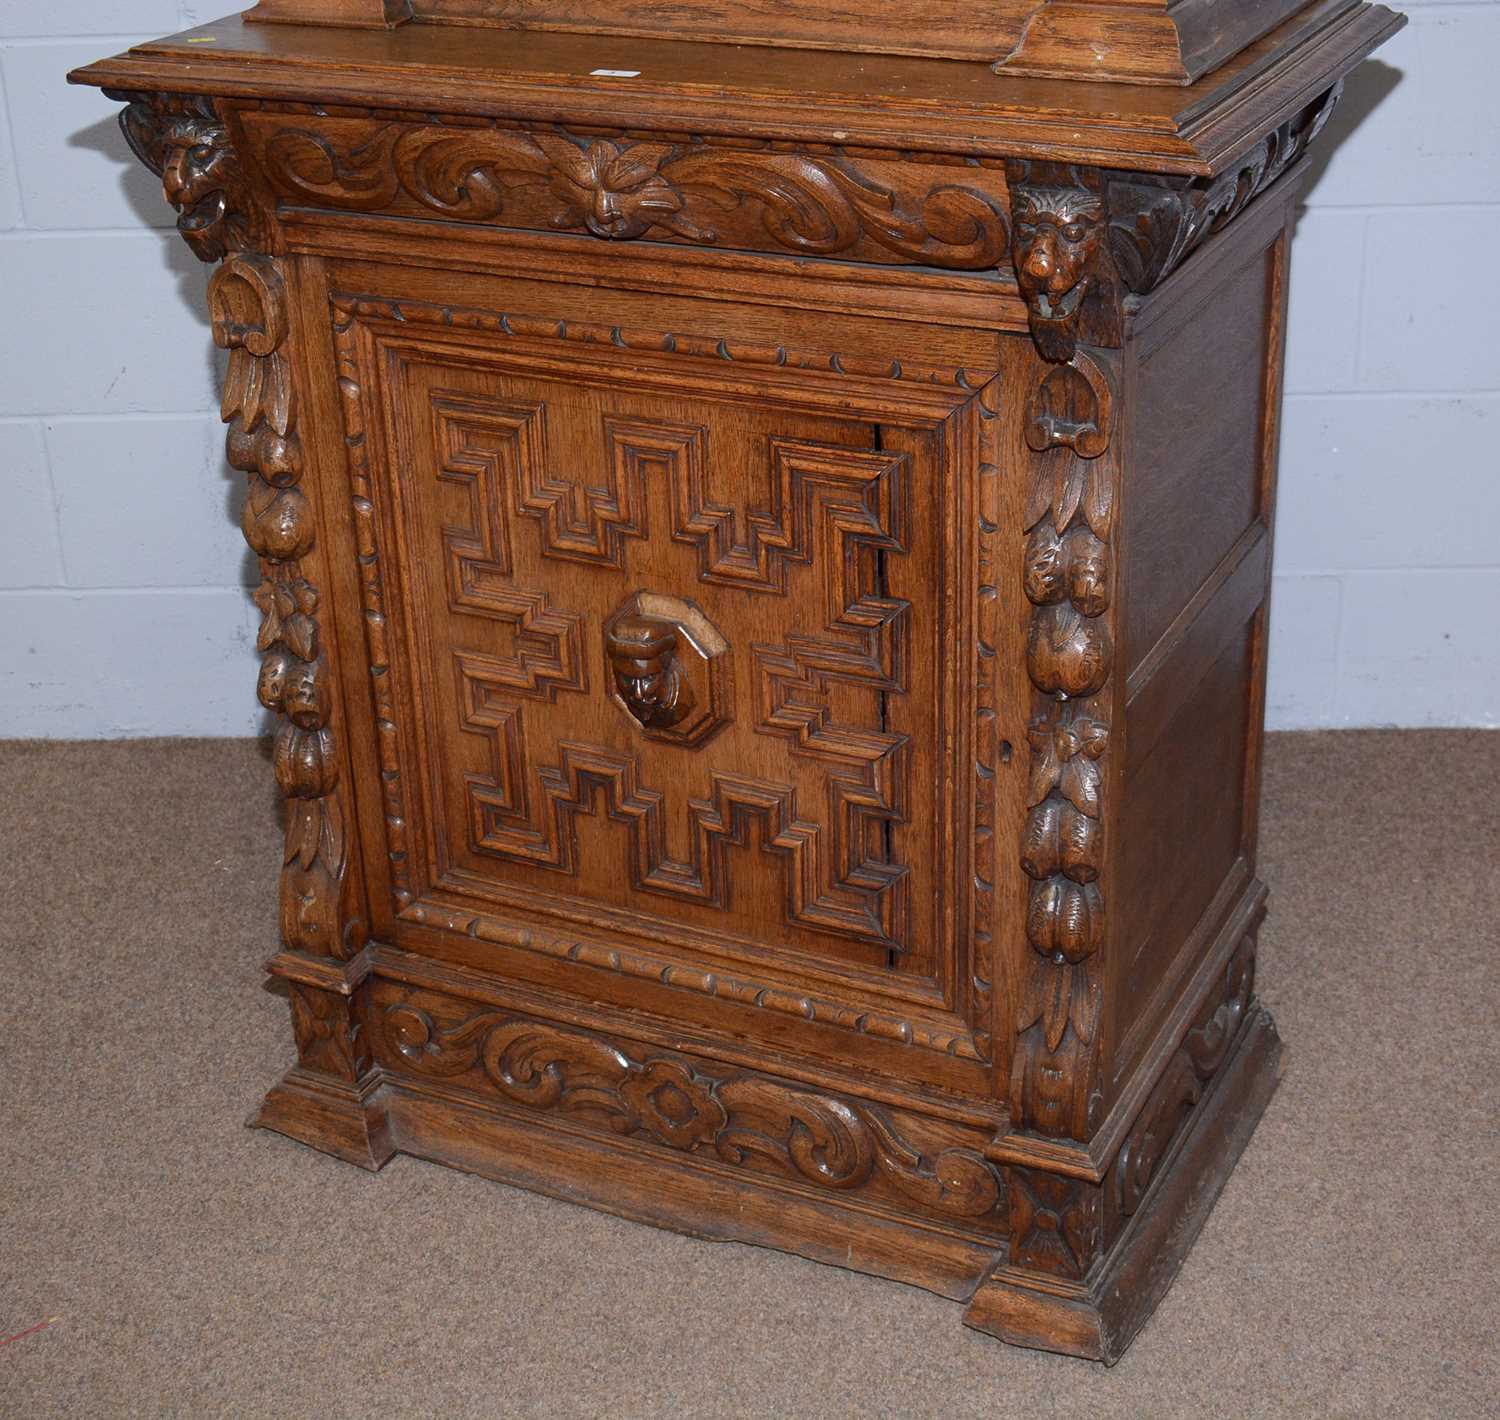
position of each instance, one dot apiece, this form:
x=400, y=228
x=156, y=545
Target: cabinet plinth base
x=707, y=1197
x=1098, y=1319
x=346, y=1120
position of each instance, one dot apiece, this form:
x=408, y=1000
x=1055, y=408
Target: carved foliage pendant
x=1068, y=579
x=187, y=143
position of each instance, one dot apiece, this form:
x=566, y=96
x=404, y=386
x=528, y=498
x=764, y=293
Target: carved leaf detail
x=248, y=305
x=622, y=189
x=1068, y=572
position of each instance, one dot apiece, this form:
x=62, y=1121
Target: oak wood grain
x=763, y=591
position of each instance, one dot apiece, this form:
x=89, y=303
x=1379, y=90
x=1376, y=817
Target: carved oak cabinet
x=765, y=523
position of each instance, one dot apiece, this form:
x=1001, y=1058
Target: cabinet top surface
x=854, y=100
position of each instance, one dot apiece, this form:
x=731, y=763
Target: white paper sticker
x=614, y=73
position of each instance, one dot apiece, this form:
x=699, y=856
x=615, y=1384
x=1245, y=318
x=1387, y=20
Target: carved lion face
x=1056, y=246
x=197, y=174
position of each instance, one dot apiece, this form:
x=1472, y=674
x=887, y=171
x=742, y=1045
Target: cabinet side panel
x=1193, y=480
x=1196, y=562
x=1180, y=829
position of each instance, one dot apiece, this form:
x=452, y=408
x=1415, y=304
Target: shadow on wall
x=1364, y=91
x=143, y=193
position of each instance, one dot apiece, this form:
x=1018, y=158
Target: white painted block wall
x=123, y=601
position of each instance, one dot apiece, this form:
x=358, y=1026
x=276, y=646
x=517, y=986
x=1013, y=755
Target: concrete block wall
x=123, y=579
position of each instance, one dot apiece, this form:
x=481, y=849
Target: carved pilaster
x=187, y=143
x=1068, y=580
x=248, y=302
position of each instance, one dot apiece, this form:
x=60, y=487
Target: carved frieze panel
x=757, y=197
x=707, y=1111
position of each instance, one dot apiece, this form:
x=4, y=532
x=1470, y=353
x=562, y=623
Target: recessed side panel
x=1180, y=830
x=1197, y=508
x=1193, y=485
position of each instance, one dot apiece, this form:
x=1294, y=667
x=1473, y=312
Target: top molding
x=1122, y=41
x=847, y=101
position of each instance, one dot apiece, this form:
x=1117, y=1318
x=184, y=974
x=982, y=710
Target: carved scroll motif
x=1068, y=579
x=621, y=189
x=746, y=1120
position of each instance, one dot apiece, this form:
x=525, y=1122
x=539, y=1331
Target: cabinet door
x=667, y=637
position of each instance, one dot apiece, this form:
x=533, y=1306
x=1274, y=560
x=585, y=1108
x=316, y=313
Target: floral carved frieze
x=754, y=198
x=732, y=1117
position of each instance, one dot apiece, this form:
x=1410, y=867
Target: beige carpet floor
x=198, y=1268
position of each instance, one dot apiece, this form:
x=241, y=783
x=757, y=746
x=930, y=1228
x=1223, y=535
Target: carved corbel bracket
x=1084, y=240
x=1156, y=222
x=183, y=139
x=1062, y=258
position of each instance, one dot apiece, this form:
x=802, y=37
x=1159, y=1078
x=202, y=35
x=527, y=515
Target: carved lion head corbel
x=1062, y=258
x=186, y=143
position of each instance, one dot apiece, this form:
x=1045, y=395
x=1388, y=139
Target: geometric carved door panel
x=666, y=663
